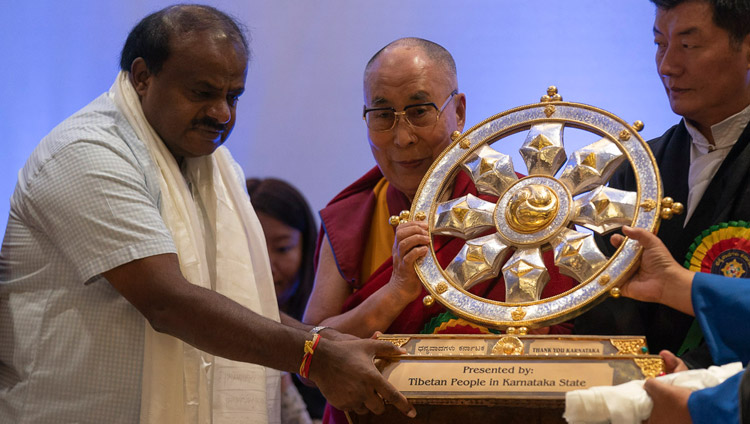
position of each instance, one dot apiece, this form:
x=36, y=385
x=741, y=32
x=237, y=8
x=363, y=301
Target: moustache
x=210, y=124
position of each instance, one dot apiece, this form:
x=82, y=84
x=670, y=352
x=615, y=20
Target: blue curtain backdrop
x=300, y=118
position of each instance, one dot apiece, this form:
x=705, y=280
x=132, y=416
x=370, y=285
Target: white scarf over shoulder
x=182, y=384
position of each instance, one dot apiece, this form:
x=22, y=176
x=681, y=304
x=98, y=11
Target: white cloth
x=293, y=407
x=628, y=403
x=705, y=158
x=180, y=383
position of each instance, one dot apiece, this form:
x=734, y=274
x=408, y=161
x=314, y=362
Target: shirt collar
x=725, y=132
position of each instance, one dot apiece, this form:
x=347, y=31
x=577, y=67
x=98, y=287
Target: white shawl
x=182, y=384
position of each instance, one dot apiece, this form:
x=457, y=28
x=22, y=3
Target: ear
x=460, y=111
x=140, y=76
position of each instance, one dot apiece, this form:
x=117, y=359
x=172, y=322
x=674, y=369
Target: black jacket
x=727, y=198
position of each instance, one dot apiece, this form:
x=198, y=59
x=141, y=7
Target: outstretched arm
x=343, y=370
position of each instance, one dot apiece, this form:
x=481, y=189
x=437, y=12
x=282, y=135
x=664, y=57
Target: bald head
x=433, y=52
x=150, y=39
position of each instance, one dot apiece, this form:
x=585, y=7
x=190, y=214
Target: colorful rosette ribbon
x=722, y=249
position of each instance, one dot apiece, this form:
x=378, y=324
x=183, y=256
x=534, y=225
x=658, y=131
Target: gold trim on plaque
x=397, y=341
x=650, y=367
x=628, y=346
x=441, y=287
x=508, y=345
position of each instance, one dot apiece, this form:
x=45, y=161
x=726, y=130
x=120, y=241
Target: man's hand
x=345, y=374
x=410, y=244
x=659, y=278
x=672, y=363
x=670, y=403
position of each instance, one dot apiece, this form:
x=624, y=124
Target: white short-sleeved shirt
x=87, y=200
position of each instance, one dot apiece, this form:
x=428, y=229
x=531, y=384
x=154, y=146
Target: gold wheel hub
x=532, y=208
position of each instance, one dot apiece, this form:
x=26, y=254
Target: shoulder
x=364, y=184
x=92, y=138
x=677, y=134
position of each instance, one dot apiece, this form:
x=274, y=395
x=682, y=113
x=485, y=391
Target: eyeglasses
x=419, y=115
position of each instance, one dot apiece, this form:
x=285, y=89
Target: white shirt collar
x=725, y=133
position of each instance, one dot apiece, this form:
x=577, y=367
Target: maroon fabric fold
x=346, y=222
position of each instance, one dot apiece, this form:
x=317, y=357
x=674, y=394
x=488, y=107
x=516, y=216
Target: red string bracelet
x=310, y=345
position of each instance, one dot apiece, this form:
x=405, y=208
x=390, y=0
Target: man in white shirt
x=134, y=281
x=703, y=60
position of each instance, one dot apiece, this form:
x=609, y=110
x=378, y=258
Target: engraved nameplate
x=479, y=345
x=487, y=377
x=557, y=347
x=451, y=347
x=537, y=377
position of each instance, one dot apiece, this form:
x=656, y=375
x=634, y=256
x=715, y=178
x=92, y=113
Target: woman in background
x=291, y=233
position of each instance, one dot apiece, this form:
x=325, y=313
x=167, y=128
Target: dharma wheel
x=559, y=205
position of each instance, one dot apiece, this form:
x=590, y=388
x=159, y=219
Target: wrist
x=309, y=351
x=678, y=293
x=402, y=294
x=318, y=329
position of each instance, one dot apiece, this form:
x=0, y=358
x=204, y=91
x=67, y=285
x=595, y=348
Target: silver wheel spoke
x=478, y=260
x=464, y=217
x=605, y=209
x=591, y=166
x=525, y=276
x=543, y=149
x=577, y=255
x=491, y=170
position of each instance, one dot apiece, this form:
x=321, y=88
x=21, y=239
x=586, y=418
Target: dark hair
x=282, y=201
x=437, y=53
x=733, y=16
x=150, y=38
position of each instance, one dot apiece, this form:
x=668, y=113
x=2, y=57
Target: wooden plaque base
x=513, y=379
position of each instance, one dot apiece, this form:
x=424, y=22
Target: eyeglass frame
x=397, y=114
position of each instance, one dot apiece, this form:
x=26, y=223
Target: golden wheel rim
x=544, y=210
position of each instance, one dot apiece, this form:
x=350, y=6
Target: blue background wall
x=300, y=118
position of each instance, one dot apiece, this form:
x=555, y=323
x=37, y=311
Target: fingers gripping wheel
x=559, y=205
